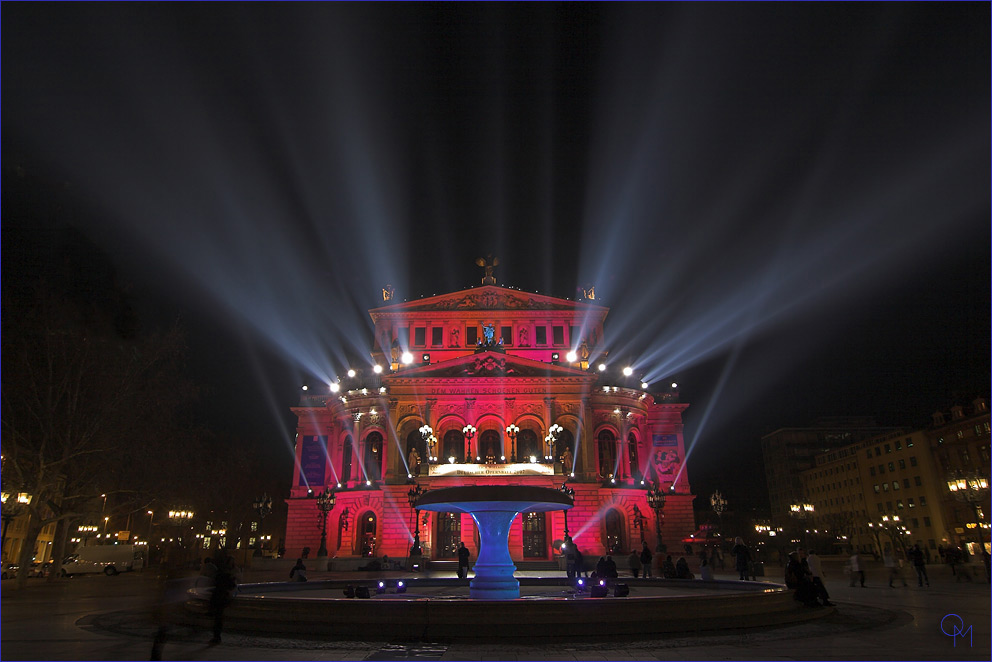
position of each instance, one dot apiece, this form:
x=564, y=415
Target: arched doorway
x=615, y=544
x=346, y=460
x=491, y=446
x=449, y=534
x=535, y=536
x=366, y=539
x=373, y=456
x=453, y=445
x=607, y=453
x=415, y=442
x=528, y=446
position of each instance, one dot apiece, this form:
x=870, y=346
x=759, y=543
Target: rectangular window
x=541, y=335
x=881, y=468
x=911, y=503
x=506, y=333
x=917, y=481
x=899, y=505
x=877, y=488
x=880, y=508
x=892, y=467
x=403, y=335
x=559, y=335
x=888, y=448
x=912, y=461
x=885, y=487
x=905, y=483
x=878, y=451
x=251, y=542
x=898, y=445
x=437, y=336
x=902, y=464
x=471, y=336
x=254, y=527
x=573, y=336
x=909, y=442
x=888, y=505
x=419, y=336
x=923, y=501
x=895, y=485
x=926, y=521
x=871, y=470
x=868, y=453
x=916, y=523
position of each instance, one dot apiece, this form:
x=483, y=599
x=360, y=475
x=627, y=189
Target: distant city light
x=304, y=387
x=674, y=385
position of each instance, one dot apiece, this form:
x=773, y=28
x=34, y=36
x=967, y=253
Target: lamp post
x=570, y=493
x=639, y=521
x=719, y=505
x=550, y=440
x=968, y=488
x=469, y=432
x=151, y=519
x=427, y=432
x=802, y=511
x=325, y=504
x=511, y=432
x=263, y=506
x=656, y=499
x=412, y=497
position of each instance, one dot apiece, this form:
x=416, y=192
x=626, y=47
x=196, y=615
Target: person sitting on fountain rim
x=798, y=578
x=668, y=569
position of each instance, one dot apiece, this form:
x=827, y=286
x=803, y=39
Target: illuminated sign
x=665, y=439
x=519, y=469
x=313, y=460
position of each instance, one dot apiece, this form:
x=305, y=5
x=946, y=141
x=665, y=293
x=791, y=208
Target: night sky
x=785, y=206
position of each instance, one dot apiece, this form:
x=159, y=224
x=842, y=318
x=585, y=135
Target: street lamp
x=511, y=432
x=550, y=440
x=469, y=432
x=12, y=507
x=412, y=497
x=427, y=432
x=639, y=521
x=570, y=493
x=719, y=505
x=656, y=499
x=325, y=504
x=968, y=488
x=802, y=512
x=179, y=517
x=263, y=506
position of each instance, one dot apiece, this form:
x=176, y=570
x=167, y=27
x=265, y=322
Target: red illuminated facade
x=484, y=360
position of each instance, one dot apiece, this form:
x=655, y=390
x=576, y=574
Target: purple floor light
x=493, y=507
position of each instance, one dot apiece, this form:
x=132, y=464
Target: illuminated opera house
x=488, y=385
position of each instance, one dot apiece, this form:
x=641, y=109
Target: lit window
x=895, y=486
x=911, y=503
x=885, y=487
x=254, y=526
x=892, y=467
x=888, y=448
x=923, y=501
x=909, y=442
x=898, y=445
x=899, y=505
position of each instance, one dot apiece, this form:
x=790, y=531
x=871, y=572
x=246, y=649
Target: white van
x=108, y=559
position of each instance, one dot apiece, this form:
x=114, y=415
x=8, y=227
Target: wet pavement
x=116, y=618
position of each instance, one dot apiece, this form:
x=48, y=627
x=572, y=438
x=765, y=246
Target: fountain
x=494, y=507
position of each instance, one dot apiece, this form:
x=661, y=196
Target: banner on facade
x=519, y=469
x=665, y=440
x=313, y=461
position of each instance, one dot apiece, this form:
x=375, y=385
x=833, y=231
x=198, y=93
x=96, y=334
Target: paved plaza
x=112, y=618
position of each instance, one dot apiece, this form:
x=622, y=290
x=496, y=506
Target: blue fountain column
x=494, y=568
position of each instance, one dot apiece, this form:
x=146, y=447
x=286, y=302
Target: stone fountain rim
x=529, y=498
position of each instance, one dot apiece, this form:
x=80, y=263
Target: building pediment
x=489, y=297
x=489, y=364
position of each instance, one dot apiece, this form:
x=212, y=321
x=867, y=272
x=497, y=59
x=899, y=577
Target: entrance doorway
x=449, y=534
x=365, y=540
x=614, y=533
x=535, y=538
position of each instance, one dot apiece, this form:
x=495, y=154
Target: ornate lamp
x=263, y=506
x=325, y=504
x=570, y=493
x=511, y=432
x=553, y=432
x=412, y=497
x=656, y=499
x=469, y=432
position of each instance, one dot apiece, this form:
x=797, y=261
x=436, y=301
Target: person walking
x=634, y=560
x=571, y=552
x=892, y=563
x=646, y=559
x=463, y=555
x=225, y=584
x=743, y=557
x=920, y=564
x=856, y=569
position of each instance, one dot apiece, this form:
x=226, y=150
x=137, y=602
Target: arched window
x=535, y=539
x=373, y=456
x=449, y=534
x=635, y=463
x=491, y=446
x=566, y=440
x=528, y=446
x=365, y=541
x=607, y=454
x=453, y=446
x=346, y=460
x=415, y=441
x=614, y=533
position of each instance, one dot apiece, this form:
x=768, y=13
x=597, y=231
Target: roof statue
x=488, y=263
x=387, y=292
